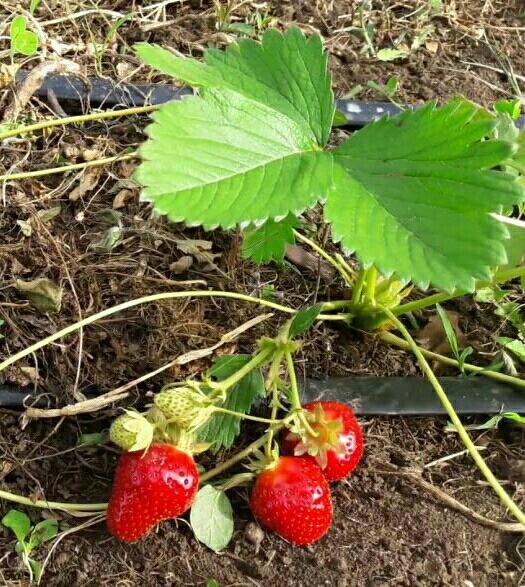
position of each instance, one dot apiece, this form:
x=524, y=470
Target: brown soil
x=386, y=531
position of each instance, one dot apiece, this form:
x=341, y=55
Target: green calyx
x=131, y=431
x=325, y=437
x=187, y=407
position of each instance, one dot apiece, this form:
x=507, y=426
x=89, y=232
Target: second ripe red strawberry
x=150, y=486
x=338, y=446
x=292, y=498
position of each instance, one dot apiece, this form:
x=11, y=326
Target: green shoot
x=460, y=355
x=29, y=538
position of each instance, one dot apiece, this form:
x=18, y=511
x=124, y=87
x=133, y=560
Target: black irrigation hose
x=410, y=396
x=102, y=92
x=369, y=396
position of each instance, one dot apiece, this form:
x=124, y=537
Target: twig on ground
x=95, y=404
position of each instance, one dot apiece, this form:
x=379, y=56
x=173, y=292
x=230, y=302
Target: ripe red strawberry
x=338, y=448
x=150, y=486
x=293, y=500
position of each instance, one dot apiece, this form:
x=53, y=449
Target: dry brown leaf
x=122, y=198
x=433, y=337
x=182, y=265
x=88, y=181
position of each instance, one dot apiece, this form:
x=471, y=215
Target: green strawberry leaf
x=19, y=523
x=222, y=429
x=211, y=518
x=288, y=73
x=303, y=320
x=236, y=161
x=268, y=242
x=415, y=193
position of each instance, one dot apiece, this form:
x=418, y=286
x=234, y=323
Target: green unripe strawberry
x=131, y=431
x=184, y=406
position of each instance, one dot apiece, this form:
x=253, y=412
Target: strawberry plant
x=427, y=199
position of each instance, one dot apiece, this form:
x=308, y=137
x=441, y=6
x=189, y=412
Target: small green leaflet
x=221, y=429
x=515, y=245
x=211, y=518
x=22, y=41
x=450, y=333
x=268, y=242
x=18, y=522
x=287, y=73
x=510, y=107
x=237, y=161
x=391, y=54
x=417, y=195
x=517, y=347
x=303, y=320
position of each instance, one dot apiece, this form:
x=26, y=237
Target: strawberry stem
x=273, y=381
x=505, y=498
x=341, y=267
x=251, y=448
x=259, y=359
x=247, y=416
x=156, y=298
x=22, y=130
x=390, y=338
x=53, y=505
x=294, y=395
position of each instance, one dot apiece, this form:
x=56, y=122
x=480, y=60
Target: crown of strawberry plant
x=414, y=195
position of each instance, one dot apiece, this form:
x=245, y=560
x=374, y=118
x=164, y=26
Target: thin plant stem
x=505, y=498
x=67, y=168
x=251, y=448
x=340, y=269
x=147, y=299
x=252, y=364
x=295, y=400
x=370, y=287
x=53, y=505
x=273, y=376
x=390, y=338
x=247, y=416
x=358, y=286
x=22, y=130
x=500, y=277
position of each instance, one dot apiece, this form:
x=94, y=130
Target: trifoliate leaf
x=211, y=518
x=303, y=320
x=221, y=429
x=287, y=73
x=236, y=161
x=268, y=242
x=418, y=194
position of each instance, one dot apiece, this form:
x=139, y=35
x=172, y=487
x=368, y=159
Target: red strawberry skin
x=150, y=486
x=338, y=464
x=293, y=500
